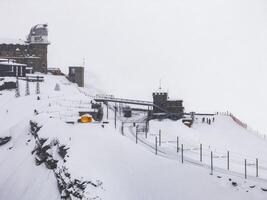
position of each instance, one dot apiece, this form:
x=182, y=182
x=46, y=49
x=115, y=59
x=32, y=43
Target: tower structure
x=38, y=43
x=32, y=52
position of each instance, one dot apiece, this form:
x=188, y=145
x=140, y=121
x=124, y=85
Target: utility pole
x=37, y=86
x=17, y=94
x=27, y=87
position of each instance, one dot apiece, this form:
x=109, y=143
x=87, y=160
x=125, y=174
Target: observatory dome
x=38, y=34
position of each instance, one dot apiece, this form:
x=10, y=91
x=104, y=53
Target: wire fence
x=187, y=151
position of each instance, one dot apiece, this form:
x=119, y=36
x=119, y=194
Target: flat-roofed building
x=12, y=69
x=76, y=75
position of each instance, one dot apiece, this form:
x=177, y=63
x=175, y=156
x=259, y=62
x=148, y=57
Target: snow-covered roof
x=3, y=60
x=11, y=64
x=12, y=41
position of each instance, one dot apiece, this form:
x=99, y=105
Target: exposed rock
x=234, y=183
x=4, y=140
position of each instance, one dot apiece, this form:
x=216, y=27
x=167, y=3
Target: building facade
x=12, y=69
x=163, y=105
x=76, y=75
x=32, y=52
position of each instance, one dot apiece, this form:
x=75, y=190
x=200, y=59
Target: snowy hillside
x=99, y=161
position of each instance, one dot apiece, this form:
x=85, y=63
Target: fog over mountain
x=210, y=53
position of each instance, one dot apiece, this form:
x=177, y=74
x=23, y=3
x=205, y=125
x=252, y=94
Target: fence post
x=107, y=109
x=115, y=116
x=156, y=145
x=200, y=152
x=257, y=167
x=228, y=160
x=245, y=168
x=122, y=128
x=177, y=144
x=159, y=137
x=182, y=153
x=136, y=136
x=211, y=163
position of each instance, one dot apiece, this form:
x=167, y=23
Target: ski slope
x=101, y=154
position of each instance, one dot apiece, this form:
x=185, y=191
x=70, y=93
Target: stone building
x=32, y=52
x=162, y=104
x=76, y=75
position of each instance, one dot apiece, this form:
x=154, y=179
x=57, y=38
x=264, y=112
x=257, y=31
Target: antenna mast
x=160, y=85
x=83, y=62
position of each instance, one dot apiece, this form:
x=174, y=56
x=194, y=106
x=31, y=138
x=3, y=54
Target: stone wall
x=33, y=55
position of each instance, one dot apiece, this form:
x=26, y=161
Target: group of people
x=208, y=120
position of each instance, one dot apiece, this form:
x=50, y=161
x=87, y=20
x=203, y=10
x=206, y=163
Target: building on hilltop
x=162, y=104
x=76, y=75
x=32, y=52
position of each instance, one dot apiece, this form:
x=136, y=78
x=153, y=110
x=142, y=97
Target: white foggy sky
x=210, y=53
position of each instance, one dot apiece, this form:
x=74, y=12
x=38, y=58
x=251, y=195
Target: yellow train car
x=86, y=119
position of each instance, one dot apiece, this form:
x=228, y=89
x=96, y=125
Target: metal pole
x=146, y=127
x=107, y=110
x=122, y=127
x=257, y=167
x=136, y=137
x=200, y=152
x=115, y=117
x=228, y=160
x=211, y=163
x=159, y=137
x=245, y=168
x=156, y=145
x=182, y=153
x=177, y=144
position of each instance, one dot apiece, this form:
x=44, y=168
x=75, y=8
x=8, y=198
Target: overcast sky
x=210, y=53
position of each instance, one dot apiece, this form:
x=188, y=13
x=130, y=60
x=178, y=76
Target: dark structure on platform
x=8, y=85
x=32, y=52
x=162, y=106
x=96, y=112
x=127, y=111
x=55, y=71
x=12, y=69
x=76, y=75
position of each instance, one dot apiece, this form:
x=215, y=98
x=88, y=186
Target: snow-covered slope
x=112, y=164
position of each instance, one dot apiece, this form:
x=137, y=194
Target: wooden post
x=228, y=160
x=156, y=145
x=182, y=153
x=200, y=152
x=159, y=137
x=245, y=168
x=177, y=144
x=257, y=167
x=211, y=163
